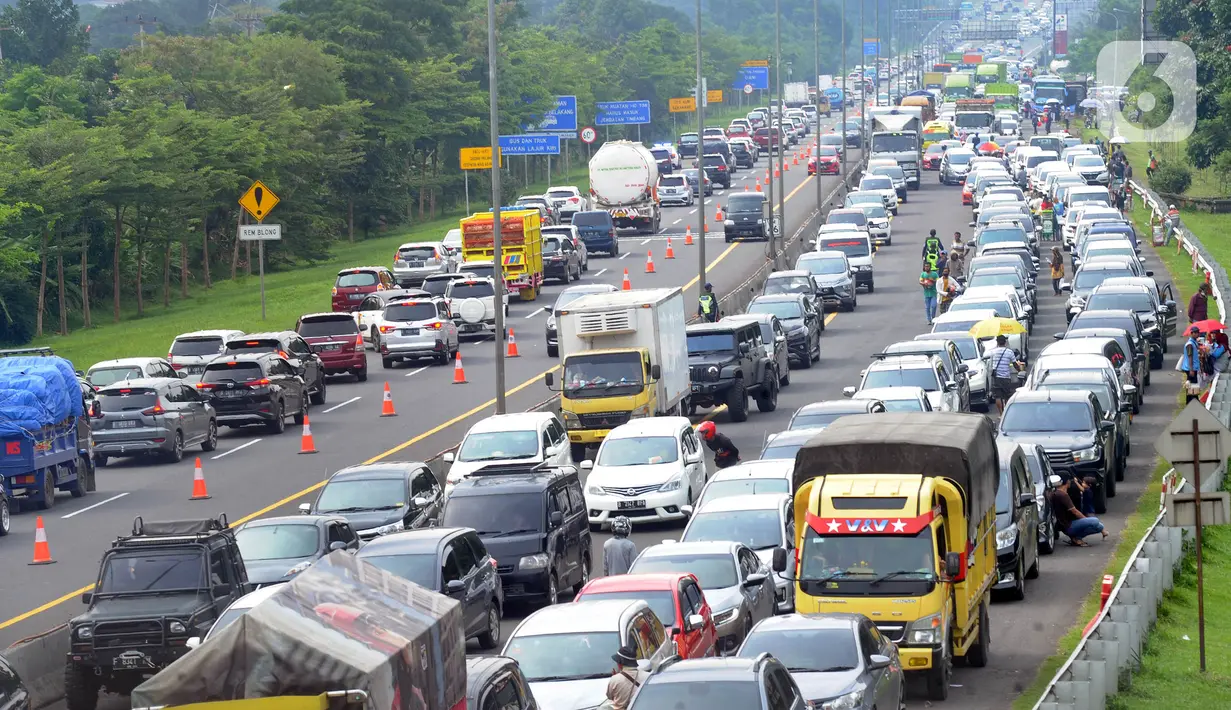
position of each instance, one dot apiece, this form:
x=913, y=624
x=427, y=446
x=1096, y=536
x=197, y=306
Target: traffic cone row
x=199, y=491
x=42, y=552
x=307, y=445
x=511, y=349
x=649, y=261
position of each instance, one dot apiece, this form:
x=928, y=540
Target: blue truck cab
x=45, y=442
x=597, y=231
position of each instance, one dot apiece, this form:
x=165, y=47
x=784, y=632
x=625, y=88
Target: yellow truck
x=521, y=240
x=896, y=519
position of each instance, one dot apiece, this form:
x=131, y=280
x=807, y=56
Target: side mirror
x=1058, y=336
x=1053, y=481
x=687, y=510
x=193, y=642
x=779, y=560
x=222, y=590
x=448, y=456
x=963, y=367
x=754, y=579
x=337, y=545
x=556, y=519
x=953, y=564
x=87, y=597
x=694, y=622
x=1126, y=407
x=1025, y=499
x=420, y=502
x=950, y=386
x=455, y=587
x=1149, y=273
x=1106, y=426
x=305, y=508
x=744, y=348
x=1130, y=390
x=549, y=379
x=644, y=666
x=656, y=372
x=848, y=391
x=1066, y=287
x=974, y=224
x=587, y=465
x=877, y=662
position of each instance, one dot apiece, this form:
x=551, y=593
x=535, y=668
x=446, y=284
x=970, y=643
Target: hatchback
x=676, y=599
x=151, y=416
x=336, y=340
x=353, y=284
x=291, y=347
x=255, y=388
x=675, y=190
x=410, y=330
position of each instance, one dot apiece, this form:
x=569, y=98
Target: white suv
x=473, y=305
x=766, y=476
x=650, y=469
x=509, y=439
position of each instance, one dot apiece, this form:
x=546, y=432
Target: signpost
x=686, y=104
x=479, y=158
x=531, y=144
x=755, y=76
x=713, y=96
x=588, y=135
x=757, y=63
x=258, y=201
x=622, y=113
x=747, y=88
x=561, y=118
x=871, y=47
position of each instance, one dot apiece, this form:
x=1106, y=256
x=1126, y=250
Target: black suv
x=1116, y=407
x=158, y=587
x=745, y=216
x=533, y=520
x=294, y=349
x=742, y=156
x=716, y=169
x=1071, y=427
x=1017, y=523
x=800, y=319
x=727, y=363
x=255, y=388
x=760, y=683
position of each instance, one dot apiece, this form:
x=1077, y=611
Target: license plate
x=230, y=394
x=194, y=369
x=355, y=296
x=514, y=588
x=327, y=347
x=410, y=331
x=414, y=264
x=471, y=328
x=125, y=424
x=132, y=660
x=630, y=504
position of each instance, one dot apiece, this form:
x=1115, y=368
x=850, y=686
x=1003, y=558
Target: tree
x=45, y=32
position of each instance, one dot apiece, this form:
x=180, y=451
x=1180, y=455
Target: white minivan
x=509, y=439
x=857, y=246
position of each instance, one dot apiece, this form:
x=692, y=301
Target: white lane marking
x=92, y=507
x=250, y=443
x=692, y=211
x=625, y=255
x=647, y=241
x=677, y=221
x=535, y=313
x=336, y=406
x=412, y=373
x=600, y=273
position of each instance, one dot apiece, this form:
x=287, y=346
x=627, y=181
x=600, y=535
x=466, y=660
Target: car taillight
x=156, y=409
x=204, y=386
x=359, y=340
x=434, y=326
x=282, y=354
x=387, y=328
x=176, y=366
x=263, y=382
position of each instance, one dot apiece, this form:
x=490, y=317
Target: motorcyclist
x=725, y=453
x=619, y=552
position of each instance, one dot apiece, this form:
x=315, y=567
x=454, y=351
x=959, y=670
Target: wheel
x=303, y=412
x=1121, y=464
x=818, y=348
x=6, y=518
x=386, y=363
x=553, y=351
x=442, y=357
x=768, y=401
x=806, y=363
x=784, y=379
x=1018, y=592
x=490, y=638
x=737, y=402
x=318, y=397
x=976, y=657
x=938, y=681
x=211, y=437
x=1047, y=541
x=278, y=425
x=578, y=452
x=83, y=477
x=49, y=489
x=1100, y=499
x=553, y=590
x=585, y=574
x=362, y=375
x=1033, y=572
x=80, y=689
x=871, y=287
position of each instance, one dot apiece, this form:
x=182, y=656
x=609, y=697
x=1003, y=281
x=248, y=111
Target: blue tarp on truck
x=36, y=392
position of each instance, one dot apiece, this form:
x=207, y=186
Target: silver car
x=158, y=416
x=417, y=260
x=675, y=190
x=191, y=352
x=417, y=329
x=109, y=372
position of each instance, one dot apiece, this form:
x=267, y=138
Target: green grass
x=236, y=304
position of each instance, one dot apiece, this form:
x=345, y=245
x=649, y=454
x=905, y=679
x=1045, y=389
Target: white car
x=925, y=371
x=238, y=608
x=109, y=372
x=654, y=466
x=473, y=305
x=898, y=399
x=568, y=201
x=521, y=438
x=762, y=522
x=190, y=352
x=766, y=476
x=884, y=187
x=978, y=373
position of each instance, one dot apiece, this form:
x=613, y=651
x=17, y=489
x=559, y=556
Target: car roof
x=1121, y=288
x=824, y=254
x=151, y=382
x=975, y=293
x=656, y=581
x=517, y=421
x=903, y=362
x=313, y=520
x=972, y=314
x=994, y=270
x=759, y=468
x=1108, y=312
x=759, y=318
x=125, y=361
x=778, y=298
x=696, y=670
x=892, y=393
x=1050, y=395
x=391, y=469
x=790, y=273
x=842, y=406
x=210, y=334
x=806, y=622
x=791, y=436
x=410, y=541
x=596, y=616
x=951, y=335
x=708, y=547
x=1072, y=361
x=757, y=501
x=650, y=426
x=268, y=335
x=358, y=269
x=1078, y=346
x=324, y=315
x=253, y=598
x=241, y=356
x=719, y=327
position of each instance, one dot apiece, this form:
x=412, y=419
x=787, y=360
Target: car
x=472, y=305
x=925, y=371
x=372, y=307
x=947, y=352
x=746, y=216
x=857, y=198
x=380, y=498
x=437, y=284
x=973, y=356
x=415, y=261
x=895, y=174
x=1158, y=319
x=769, y=139
x=336, y=340
x=519, y=438
x=743, y=152
x=998, y=233
x=676, y=599
x=1023, y=251
x=785, y=444
x=694, y=177
x=737, y=584
x=568, y=201
x=1129, y=322
x=1072, y=429
x=795, y=281
x=497, y=682
x=857, y=245
x=1128, y=362
x=561, y=261
x=762, y=683
x=676, y=190
x=838, y=660
x=570, y=233
x=453, y=562
x=291, y=347
x=717, y=169
x=1116, y=408
x=765, y=476
x=254, y=388
x=801, y=320
x=765, y=523
x=651, y=468
x=598, y=231
x=1017, y=523
x=190, y=352
x=1041, y=476
x=688, y=144
x=109, y=372
x=884, y=186
x=826, y=160
x=773, y=340
x=565, y=651
x=1003, y=304
x=819, y=415
x=880, y=226
x=1007, y=276
x=152, y=416
x=834, y=276
x=663, y=157
x=532, y=518
x=353, y=284
x=897, y=398
x=567, y=296
x=276, y=549
x=954, y=166
x=238, y=608
x=932, y=156
x=546, y=208
x=850, y=216
x=727, y=364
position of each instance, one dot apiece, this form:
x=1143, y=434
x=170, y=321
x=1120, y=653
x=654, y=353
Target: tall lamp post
x=781, y=147
x=845, y=88
x=816, y=38
x=493, y=97
x=700, y=160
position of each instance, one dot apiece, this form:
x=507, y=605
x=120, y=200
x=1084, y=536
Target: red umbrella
x=1207, y=326
x=988, y=147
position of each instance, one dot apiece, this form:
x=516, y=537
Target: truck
x=521, y=239
x=970, y=60
x=897, y=133
x=1004, y=96
x=991, y=73
x=943, y=68
x=624, y=182
x=45, y=440
x=934, y=80
x=974, y=115
x=919, y=561
x=795, y=93
x=624, y=356
x=958, y=85
x=924, y=100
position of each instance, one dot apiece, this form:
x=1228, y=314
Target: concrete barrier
x=39, y=662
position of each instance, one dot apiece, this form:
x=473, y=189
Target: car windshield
x=743, y=487
x=872, y=211
x=700, y=696
x=437, y=287
x=495, y=514
x=895, y=142
x=357, y=494
x=278, y=542
x=693, y=177
x=985, y=279
x=803, y=650
x=876, y=183
x=785, y=310
x=211, y=345
x=499, y=445
x=592, y=219
x=827, y=151
x=1089, y=279
x=845, y=217
x=1088, y=161
x=1101, y=391
x=127, y=400
x=688, y=139
x=954, y=326
x=712, y=571
x=817, y=420
x=472, y=289
x=1047, y=416
x=671, y=181
x=660, y=154
x=420, y=569
x=862, y=198
x=903, y=405
x=104, y=376
x=1001, y=308
x=956, y=158
x=703, y=343
x=894, y=173
x=1111, y=250
x=353, y=279
x=993, y=235
x=325, y=326
x=758, y=529
x=410, y=312
x=638, y=451
x=782, y=450
x=851, y=247
x=744, y=203
x=1140, y=302
x=1092, y=319
x=564, y=194
x=552, y=245
x=924, y=377
x=662, y=603
x=152, y=572
x=558, y=657
x=821, y=267
x=848, y=557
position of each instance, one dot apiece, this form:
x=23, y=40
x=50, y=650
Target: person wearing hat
x=623, y=683
x=1190, y=365
x=1004, y=364
x=707, y=305
x=1199, y=304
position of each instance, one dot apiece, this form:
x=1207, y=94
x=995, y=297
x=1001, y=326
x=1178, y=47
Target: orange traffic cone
x=459, y=372
x=42, y=553
x=718, y=214
x=627, y=285
x=787, y=166
x=386, y=403
x=511, y=350
x=766, y=174
x=307, y=444
x=649, y=261
x=199, y=491
x=670, y=251
x=758, y=184
x=745, y=187
x=796, y=160
x=688, y=236
x=777, y=173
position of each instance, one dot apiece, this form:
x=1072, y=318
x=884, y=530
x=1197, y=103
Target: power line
x=141, y=22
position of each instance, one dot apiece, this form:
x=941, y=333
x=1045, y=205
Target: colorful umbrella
x=992, y=327
x=1208, y=326
x=989, y=147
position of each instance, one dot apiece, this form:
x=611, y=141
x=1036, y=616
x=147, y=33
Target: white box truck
x=624, y=356
x=795, y=94
x=897, y=133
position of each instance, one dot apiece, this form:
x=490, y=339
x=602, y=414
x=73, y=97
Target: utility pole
x=816, y=38
x=141, y=22
x=774, y=243
x=700, y=160
x=248, y=21
x=863, y=64
x=775, y=141
x=845, y=88
x=493, y=97
x=877, y=33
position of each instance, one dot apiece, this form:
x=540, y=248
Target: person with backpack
x=619, y=552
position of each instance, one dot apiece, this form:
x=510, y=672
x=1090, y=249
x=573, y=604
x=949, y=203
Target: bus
x=1048, y=86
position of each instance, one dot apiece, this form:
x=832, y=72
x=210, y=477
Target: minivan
x=858, y=249
x=597, y=231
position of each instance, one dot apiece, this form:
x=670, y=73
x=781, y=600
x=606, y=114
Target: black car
x=741, y=682
x=453, y=562
x=796, y=281
x=1129, y=322
x=727, y=364
x=742, y=156
x=1017, y=523
x=534, y=522
x=277, y=549
x=497, y=682
x=1115, y=409
x=1072, y=429
x=561, y=260
x=746, y=215
x=1086, y=279
x=294, y=349
x=688, y=143
x=255, y=388
x=1117, y=346
x=717, y=169
x=13, y=692
x=156, y=588
x=380, y=498
x=801, y=321
x=662, y=156
x=1158, y=320
x=1041, y=475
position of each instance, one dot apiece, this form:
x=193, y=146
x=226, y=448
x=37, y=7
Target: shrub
x=1172, y=179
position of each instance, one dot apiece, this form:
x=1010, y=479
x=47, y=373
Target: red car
x=765, y=136
x=336, y=339
x=352, y=285
x=932, y=156
x=830, y=162
x=676, y=598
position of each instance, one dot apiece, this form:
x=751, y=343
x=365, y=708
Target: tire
x=49, y=489
x=211, y=437
x=553, y=351
x=1018, y=592
x=585, y=574
x=490, y=638
x=806, y=364
x=976, y=657
x=83, y=475
x=362, y=375
x=768, y=401
x=1033, y=572
x=553, y=590
x=318, y=397
x=785, y=379
x=578, y=452
x=6, y=517
x=441, y=358
x=301, y=414
x=871, y=287
x=938, y=681
x=737, y=402
x=80, y=689
x=1100, y=499
x=278, y=425
x=1121, y=464
x=1047, y=544
x=386, y=363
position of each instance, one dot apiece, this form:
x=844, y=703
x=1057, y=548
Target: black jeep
x=727, y=363
x=160, y=586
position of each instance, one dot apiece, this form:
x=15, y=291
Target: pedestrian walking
x=1057, y=269
x=927, y=279
x=1199, y=304
x=1004, y=365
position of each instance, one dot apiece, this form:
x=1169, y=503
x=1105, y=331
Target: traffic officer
x=707, y=305
x=932, y=250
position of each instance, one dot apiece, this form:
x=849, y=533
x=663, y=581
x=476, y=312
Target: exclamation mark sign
x=259, y=195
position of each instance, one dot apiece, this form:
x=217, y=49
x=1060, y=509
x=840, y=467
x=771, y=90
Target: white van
x=857, y=246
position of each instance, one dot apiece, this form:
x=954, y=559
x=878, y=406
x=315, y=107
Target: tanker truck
x=624, y=182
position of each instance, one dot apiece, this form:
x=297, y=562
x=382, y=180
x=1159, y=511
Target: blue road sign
x=870, y=49
x=758, y=77
x=622, y=113
x=561, y=118
x=539, y=144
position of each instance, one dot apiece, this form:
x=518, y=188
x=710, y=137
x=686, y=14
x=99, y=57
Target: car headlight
x=386, y=529
x=849, y=701
x=641, y=412
x=594, y=490
x=1077, y=302
x=671, y=485
x=1006, y=538
x=729, y=222
x=177, y=627
x=551, y=322
x=298, y=568
x=85, y=633
x=723, y=617
x=865, y=267
x=1090, y=454
x=926, y=631
x=536, y=561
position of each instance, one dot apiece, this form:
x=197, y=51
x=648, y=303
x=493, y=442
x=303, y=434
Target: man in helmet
x=931, y=250
x=619, y=552
x=707, y=305
x=725, y=453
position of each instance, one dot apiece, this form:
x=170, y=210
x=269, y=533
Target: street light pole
x=700, y=161
x=845, y=88
x=774, y=244
x=493, y=97
x=816, y=38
